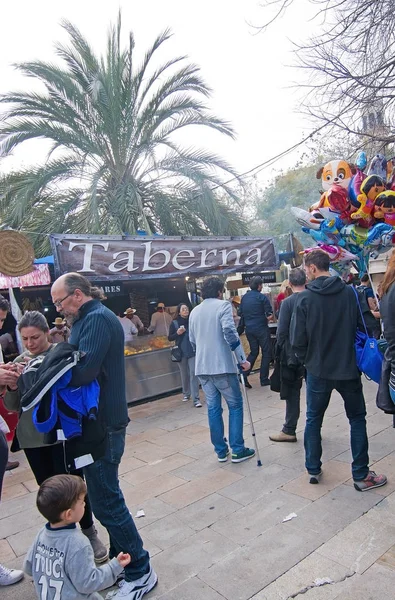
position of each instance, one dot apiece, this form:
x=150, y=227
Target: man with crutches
x=213, y=334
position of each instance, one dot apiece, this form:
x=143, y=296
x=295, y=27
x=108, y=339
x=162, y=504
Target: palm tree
x=114, y=163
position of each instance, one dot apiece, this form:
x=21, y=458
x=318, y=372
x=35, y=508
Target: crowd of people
x=74, y=448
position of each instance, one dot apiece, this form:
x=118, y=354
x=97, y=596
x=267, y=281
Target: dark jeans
x=318, y=394
x=3, y=458
x=48, y=461
x=260, y=340
x=292, y=408
x=110, y=508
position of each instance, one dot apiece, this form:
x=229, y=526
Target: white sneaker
x=185, y=398
x=134, y=590
x=9, y=576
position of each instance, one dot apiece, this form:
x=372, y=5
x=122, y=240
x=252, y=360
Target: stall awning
x=39, y=276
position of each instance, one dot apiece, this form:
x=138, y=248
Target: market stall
x=142, y=271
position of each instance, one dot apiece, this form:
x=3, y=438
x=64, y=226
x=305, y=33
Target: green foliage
x=115, y=165
x=296, y=187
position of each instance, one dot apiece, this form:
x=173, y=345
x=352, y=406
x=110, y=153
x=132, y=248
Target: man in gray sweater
x=213, y=334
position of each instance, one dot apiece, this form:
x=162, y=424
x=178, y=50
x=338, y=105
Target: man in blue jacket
x=98, y=332
x=254, y=311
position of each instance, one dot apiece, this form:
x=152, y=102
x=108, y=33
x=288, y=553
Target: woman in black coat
x=178, y=333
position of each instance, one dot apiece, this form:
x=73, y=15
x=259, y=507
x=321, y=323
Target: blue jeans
x=228, y=386
x=318, y=394
x=109, y=507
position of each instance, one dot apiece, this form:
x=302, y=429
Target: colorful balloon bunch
x=355, y=216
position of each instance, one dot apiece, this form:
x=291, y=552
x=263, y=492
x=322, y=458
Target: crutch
x=246, y=402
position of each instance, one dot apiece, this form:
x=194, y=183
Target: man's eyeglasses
x=58, y=303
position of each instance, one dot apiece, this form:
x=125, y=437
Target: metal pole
x=245, y=397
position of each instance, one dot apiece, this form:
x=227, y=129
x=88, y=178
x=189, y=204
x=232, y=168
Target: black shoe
x=247, y=383
x=12, y=465
x=265, y=382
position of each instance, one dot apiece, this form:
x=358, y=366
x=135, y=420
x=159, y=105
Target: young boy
x=61, y=558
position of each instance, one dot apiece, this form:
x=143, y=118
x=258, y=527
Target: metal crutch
x=246, y=402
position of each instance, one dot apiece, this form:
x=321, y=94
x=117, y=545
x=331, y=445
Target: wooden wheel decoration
x=16, y=254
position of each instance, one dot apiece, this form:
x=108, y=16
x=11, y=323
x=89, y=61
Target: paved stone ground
x=215, y=531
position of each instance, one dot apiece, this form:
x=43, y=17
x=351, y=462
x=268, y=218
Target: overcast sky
x=247, y=71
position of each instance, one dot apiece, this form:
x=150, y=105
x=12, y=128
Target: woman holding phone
x=178, y=333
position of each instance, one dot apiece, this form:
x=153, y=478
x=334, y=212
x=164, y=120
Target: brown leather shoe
x=282, y=437
x=12, y=464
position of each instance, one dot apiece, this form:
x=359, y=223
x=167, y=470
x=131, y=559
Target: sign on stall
x=125, y=257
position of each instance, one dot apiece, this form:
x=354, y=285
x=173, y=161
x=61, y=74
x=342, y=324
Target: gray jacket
x=62, y=559
x=213, y=334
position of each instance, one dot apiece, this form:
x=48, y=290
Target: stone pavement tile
x=193, y=430
x=198, y=468
x=377, y=422
x=192, y=589
x=259, y=516
x=175, y=440
x=151, y=547
x=301, y=577
x=148, y=452
x=360, y=544
x=31, y=485
x=387, y=559
x=380, y=445
x=199, y=488
x=141, y=493
x=167, y=531
x=207, y=511
x=19, y=523
x=6, y=552
x=256, y=485
x=164, y=465
x=201, y=451
x=185, y=560
x=295, y=460
x=248, y=570
x=154, y=510
x=24, y=590
x=145, y=436
x=334, y=473
x=170, y=422
x=21, y=542
x=331, y=513
x=14, y=491
x=129, y=464
x=377, y=583
x=19, y=475
x=16, y=505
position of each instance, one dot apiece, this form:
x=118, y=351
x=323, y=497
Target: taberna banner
x=138, y=257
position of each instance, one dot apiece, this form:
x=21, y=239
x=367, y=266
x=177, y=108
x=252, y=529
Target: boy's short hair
x=319, y=259
x=57, y=494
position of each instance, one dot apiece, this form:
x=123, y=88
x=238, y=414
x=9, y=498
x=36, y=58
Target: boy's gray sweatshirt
x=62, y=564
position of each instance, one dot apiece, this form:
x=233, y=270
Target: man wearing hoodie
x=322, y=332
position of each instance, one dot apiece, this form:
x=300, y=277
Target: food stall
x=146, y=270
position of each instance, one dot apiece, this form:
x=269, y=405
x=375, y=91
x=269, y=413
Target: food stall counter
x=149, y=369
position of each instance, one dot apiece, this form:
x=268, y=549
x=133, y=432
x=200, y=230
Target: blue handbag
x=369, y=357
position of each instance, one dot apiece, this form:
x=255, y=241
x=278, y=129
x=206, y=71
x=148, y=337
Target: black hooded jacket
x=323, y=327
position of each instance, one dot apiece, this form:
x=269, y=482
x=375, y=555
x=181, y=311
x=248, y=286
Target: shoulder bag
x=176, y=354
x=368, y=355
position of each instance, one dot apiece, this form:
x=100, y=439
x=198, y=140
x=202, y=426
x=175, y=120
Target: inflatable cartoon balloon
x=384, y=207
x=336, y=172
x=371, y=187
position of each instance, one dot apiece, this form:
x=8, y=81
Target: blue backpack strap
x=360, y=310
